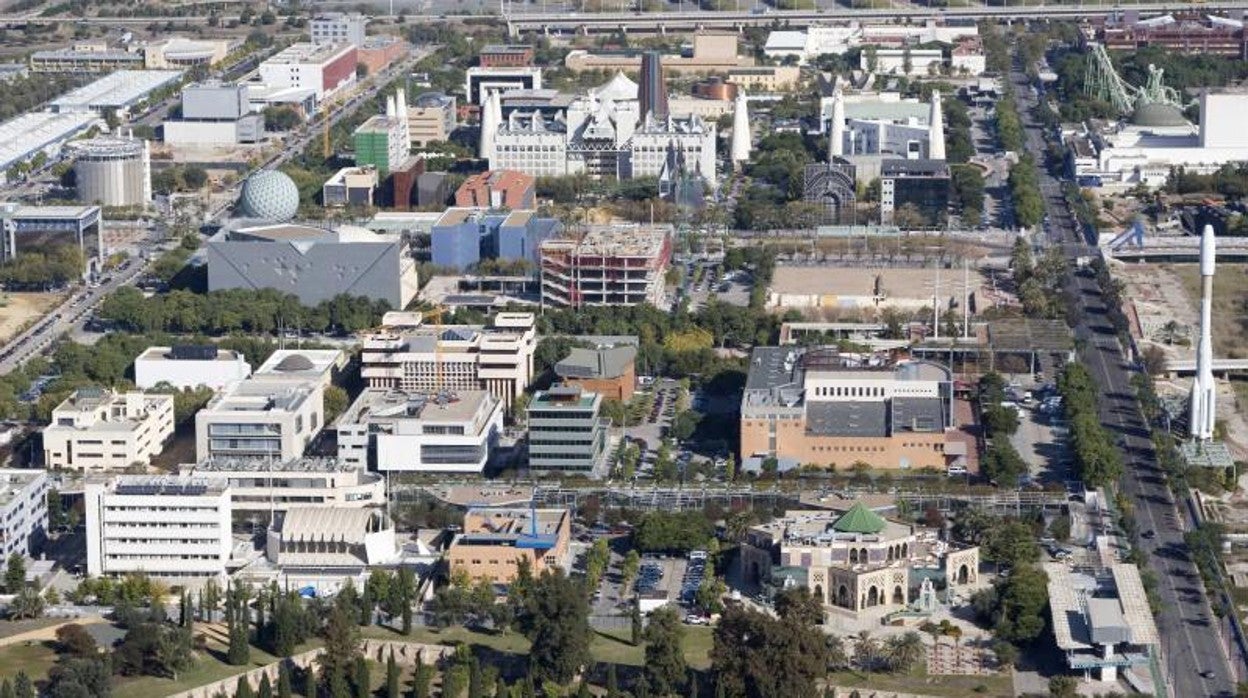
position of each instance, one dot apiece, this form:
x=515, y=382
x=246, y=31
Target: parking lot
x=1042, y=437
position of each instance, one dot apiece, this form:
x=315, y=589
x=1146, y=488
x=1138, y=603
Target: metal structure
x=1100, y=80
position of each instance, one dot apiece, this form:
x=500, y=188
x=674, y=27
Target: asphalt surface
x=1190, y=647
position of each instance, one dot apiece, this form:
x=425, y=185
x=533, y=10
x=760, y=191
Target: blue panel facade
x=456, y=246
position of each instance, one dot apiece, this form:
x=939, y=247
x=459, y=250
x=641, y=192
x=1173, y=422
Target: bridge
x=1222, y=367
x=1178, y=249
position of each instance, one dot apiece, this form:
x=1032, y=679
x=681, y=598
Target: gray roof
x=914, y=168
x=847, y=418
x=596, y=363
x=918, y=414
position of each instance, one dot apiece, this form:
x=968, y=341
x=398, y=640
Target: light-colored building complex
x=901, y=61
x=479, y=80
x=215, y=114
x=117, y=92
x=267, y=486
x=318, y=366
x=494, y=541
x=462, y=237
x=815, y=406
x=189, y=366
x=780, y=78
x=338, y=28
x=331, y=543
x=166, y=527
x=180, y=52
x=447, y=432
x=1102, y=623
x=432, y=118
x=413, y=357
x=566, y=433
x=23, y=137
x=95, y=430
x=713, y=52
x=384, y=141
x=23, y=510
x=350, y=186
x=607, y=265
x=863, y=291
x=260, y=418
x=99, y=57
x=854, y=562
x=609, y=371
x=323, y=69
x=815, y=41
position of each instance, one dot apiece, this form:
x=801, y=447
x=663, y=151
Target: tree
x=15, y=573
x=360, y=678
x=629, y=569
x=421, y=678
x=799, y=606
x=243, y=689
x=336, y=402
x=613, y=682
x=392, y=677
x=1063, y=687
x=1011, y=543
x=342, y=646
x=1002, y=463
x=636, y=625
x=665, y=659
x=310, y=683
x=74, y=640
x=1021, y=598
x=1006, y=654
x=266, y=688
x=238, y=625
x=28, y=604
x=283, y=681
x=80, y=678
x=904, y=652
x=23, y=687
x=555, y=618
x=756, y=655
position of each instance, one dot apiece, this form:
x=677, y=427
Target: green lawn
x=919, y=682
x=9, y=628
x=34, y=658
x=210, y=667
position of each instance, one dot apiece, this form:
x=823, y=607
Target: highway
x=1194, y=659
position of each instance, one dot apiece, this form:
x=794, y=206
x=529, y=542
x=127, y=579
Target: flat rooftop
x=616, y=241
x=120, y=89
x=167, y=354
x=257, y=465
x=904, y=282
x=49, y=213
x=259, y=396
x=1081, y=605
x=307, y=53
x=23, y=135
x=13, y=481
x=383, y=405
x=509, y=524
x=306, y=362
x=166, y=486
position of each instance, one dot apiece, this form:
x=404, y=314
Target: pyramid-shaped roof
x=859, y=519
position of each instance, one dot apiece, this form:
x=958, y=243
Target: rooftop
x=307, y=53
x=565, y=397
x=189, y=353
x=893, y=282
x=610, y=362
x=165, y=486
x=264, y=465
x=384, y=405
x=259, y=396
x=13, y=481
x=510, y=526
x=900, y=167
x=120, y=89
x=816, y=526
x=312, y=363
x=23, y=135
x=1089, y=610
x=331, y=524
x=622, y=240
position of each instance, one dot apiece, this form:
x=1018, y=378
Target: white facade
x=338, y=29
x=450, y=432
x=23, y=510
x=95, y=430
x=166, y=527
x=321, y=69
x=264, y=486
x=260, y=418
x=902, y=61
x=816, y=41
x=174, y=366
x=204, y=132
x=479, y=81
x=314, y=365
x=1220, y=119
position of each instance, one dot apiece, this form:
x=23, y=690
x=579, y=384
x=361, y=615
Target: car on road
x=1206, y=674
x=1150, y=534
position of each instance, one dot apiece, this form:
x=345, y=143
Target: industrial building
x=479, y=80
x=567, y=433
x=498, y=189
x=96, y=430
x=816, y=406
x=322, y=69
x=117, y=92
x=856, y=563
x=338, y=28
x=313, y=263
x=259, y=418
x=215, y=114
x=412, y=356
x=23, y=137
x=609, y=371
x=350, y=186
x=43, y=228
x=494, y=541
x=712, y=52
x=431, y=119
x=607, y=265
x=112, y=171
x=442, y=432
x=462, y=237
x=164, y=527
x=914, y=193
x=99, y=57
x=1102, y=622
x=23, y=511
x=189, y=366
x=263, y=486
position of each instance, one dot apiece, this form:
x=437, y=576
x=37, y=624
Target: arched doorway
x=890, y=553
x=853, y=556
x=819, y=592
x=963, y=574
x=899, y=598
x=873, y=596
x=842, y=596
x=905, y=550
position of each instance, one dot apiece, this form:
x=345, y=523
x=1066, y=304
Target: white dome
x=270, y=196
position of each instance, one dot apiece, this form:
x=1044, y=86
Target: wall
x=922, y=450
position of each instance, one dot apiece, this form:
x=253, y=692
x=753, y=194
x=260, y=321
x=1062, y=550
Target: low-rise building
x=383, y=141
x=215, y=114
x=479, y=80
x=325, y=546
x=566, y=432
x=914, y=193
x=97, y=430
x=338, y=28
x=607, y=265
x=380, y=52
x=498, y=189
x=432, y=118
x=23, y=511
x=609, y=371
x=190, y=366
x=901, y=61
x=445, y=432
x=1101, y=622
x=462, y=237
x=506, y=56
x=494, y=541
x=321, y=68
x=350, y=186
x=712, y=52
x=777, y=78
x=165, y=527
x=271, y=486
x=257, y=418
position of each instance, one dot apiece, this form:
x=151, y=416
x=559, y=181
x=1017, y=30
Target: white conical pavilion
x=490, y=122
x=740, y=130
x=836, y=137
x=936, y=129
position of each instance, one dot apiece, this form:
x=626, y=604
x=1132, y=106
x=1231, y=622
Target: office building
x=338, y=28
x=23, y=511
x=867, y=129
x=181, y=52
x=1189, y=34
x=479, y=81
x=189, y=366
x=462, y=237
x=856, y=563
x=24, y=137
x=112, y=171
x=914, y=193
x=443, y=432
x=44, y=228
x=606, y=370
x=652, y=92
x=814, y=41
x=901, y=60
x=262, y=486
x=97, y=430
x=260, y=418
x=607, y=265
x=380, y=52
x=506, y=56
x=164, y=527
x=317, y=366
x=498, y=189
x=86, y=57
x=566, y=432
x=412, y=356
x=431, y=119
x=313, y=263
x=215, y=114
x=384, y=141
x=117, y=92
x=766, y=79
x=320, y=69
x=494, y=541
x=350, y=186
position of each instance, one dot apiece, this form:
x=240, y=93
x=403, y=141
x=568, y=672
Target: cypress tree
x=637, y=628
x=613, y=682
x=309, y=681
x=500, y=688
x=392, y=677
x=283, y=681
x=475, y=687
x=361, y=679
x=22, y=686
x=266, y=688
x=244, y=689
x=421, y=680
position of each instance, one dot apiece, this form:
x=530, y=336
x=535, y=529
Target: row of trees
x=1040, y=284
x=1024, y=181
x=1001, y=464
x=1098, y=461
x=42, y=270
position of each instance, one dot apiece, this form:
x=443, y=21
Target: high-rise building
x=607, y=265
x=653, y=92
x=566, y=431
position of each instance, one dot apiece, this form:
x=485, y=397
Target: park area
x=19, y=310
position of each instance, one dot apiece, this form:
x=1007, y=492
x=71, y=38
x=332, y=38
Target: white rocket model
x=1203, y=389
x=936, y=129
x=740, y=130
x=836, y=139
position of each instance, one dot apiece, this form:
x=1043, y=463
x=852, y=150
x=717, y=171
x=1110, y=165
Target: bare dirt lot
x=17, y=310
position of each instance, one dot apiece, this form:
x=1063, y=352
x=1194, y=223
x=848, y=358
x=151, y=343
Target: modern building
x=867, y=129
x=766, y=79
x=384, y=141
x=814, y=41
x=44, y=228
x=1190, y=34
x=112, y=171
x=855, y=562
x=321, y=69
x=609, y=371
x=431, y=119
x=215, y=114
x=494, y=541
x=260, y=418
x=1102, y=622
x=498, y=189
x=328, y=545
x=462, y=237
x=117, y=92
x=901, y=61
x=165, y=527
x=443, y=432
x=23, y=511
x=914, y=193
x=86, y=57
x=24, y=137
x=652, y=92
x=567, y=433
x=350, y=186
x=338, y=28
x=506, y=56
x=181, y=52
x=480, y=80
x=414, y=357
x=607, y=265
x=712, y=52
x=261, y=486
x=96, y=430
x=315, y=264
x=190, y=366
x=318, y=366
x=818, y=407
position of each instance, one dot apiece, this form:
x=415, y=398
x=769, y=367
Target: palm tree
x=866, y=651
x=903, y=652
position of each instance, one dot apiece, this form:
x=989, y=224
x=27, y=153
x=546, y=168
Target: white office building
x=260, y=418
x=322, y=69
x=23, y=510
x=96, y=430
x=166, y=527
x=273, y=486
x=189, y=366
x=338, y=28
x=447, y=432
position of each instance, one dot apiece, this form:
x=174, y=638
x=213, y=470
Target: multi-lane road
x=1195, y=661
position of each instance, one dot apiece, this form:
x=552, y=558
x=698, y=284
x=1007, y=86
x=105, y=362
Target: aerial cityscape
x=637, y=349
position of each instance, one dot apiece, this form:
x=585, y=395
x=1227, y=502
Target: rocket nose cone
x=1208, y=251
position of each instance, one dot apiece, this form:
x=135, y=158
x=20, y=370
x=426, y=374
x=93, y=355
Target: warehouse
x=118, y=91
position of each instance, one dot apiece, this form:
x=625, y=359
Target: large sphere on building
x=269, y=196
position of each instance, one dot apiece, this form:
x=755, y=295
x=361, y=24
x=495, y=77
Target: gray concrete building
x=566, y=433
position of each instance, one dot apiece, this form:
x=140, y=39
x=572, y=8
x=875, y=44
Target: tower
x=836, y=141
x=1203, y=412
x=653, y=89
x=936, y=129
x=740, y=130
x=490, y=122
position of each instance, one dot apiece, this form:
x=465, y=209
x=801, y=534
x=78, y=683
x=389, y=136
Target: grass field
x=18, y=310
x=34, y=658
x=919, y=682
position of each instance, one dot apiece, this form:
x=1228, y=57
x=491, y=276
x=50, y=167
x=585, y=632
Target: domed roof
x=269, y=195
x=1156, y=114
x=295, y=362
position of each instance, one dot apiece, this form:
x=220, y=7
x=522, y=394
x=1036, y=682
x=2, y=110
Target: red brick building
x=506, y=56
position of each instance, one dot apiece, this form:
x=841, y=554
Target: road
x=1184, y=621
